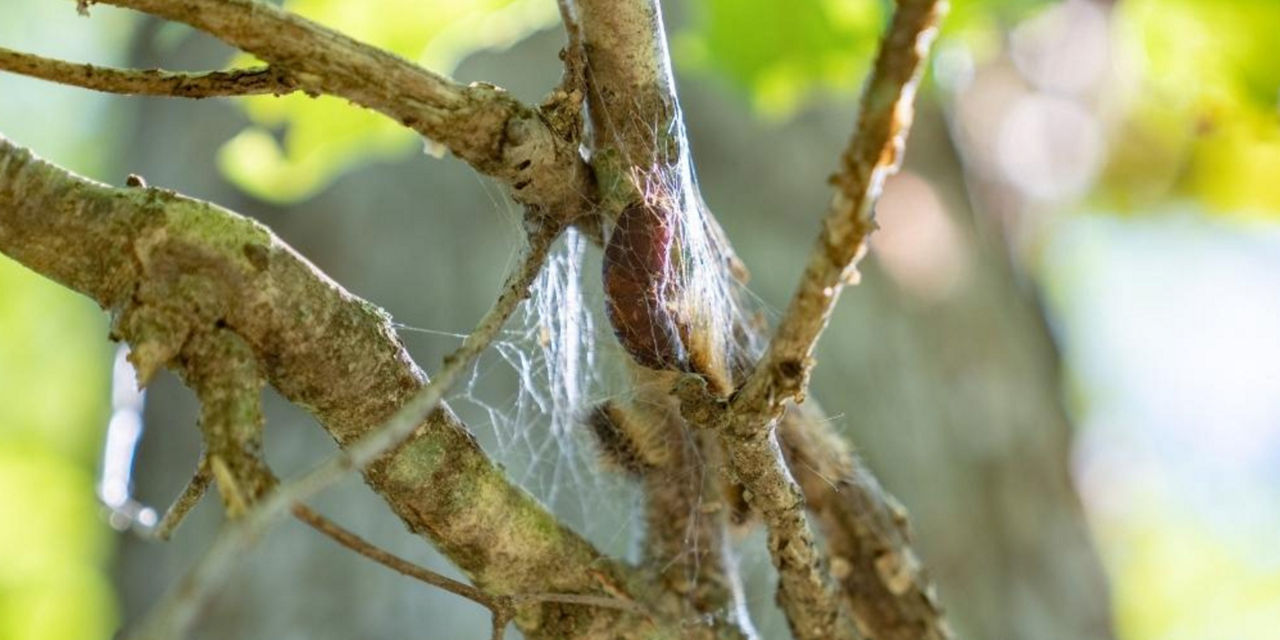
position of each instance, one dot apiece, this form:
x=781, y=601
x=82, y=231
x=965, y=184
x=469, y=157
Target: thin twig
x=503, y=608
x=481, y=124
x=874, y=153
x=631, y=82
x=150, y=82
x=572, y=30
x=866, y=533
x=224, y=373
x=389, y=560
x=404, y=567
x=170, y=617
x=574, y=81
x=185, y=502
x=324, y=58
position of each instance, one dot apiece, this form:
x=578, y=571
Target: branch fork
x=195, y=287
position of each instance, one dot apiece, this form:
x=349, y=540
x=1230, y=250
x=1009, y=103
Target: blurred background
x=1063, y=358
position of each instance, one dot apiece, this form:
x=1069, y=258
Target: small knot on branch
x=791, y=378
x=156, y=335
x=701, y=408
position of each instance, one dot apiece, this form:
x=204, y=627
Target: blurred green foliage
x=1196, y=86
x=318, y=138
x=53, y=543
x=1197, y=82
x=1201, y=118
x=786, y=54
x=1198, y=120
x=55, y=546
x=782, y=53
x=1175, y=578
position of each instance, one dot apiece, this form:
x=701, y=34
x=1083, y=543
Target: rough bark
x=635, y=132
x=150, y=82
x=480, y=123
x=868, y=544
x=170, y=268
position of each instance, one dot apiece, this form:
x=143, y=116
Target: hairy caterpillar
x=629, y=438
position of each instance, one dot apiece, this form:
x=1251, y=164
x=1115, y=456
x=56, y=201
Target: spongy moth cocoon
x=639, y=287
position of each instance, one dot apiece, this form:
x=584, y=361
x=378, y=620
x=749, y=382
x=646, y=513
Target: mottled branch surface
x=229, y=384
x=481, y=124
x=866, y=533
x=874, y=153
x=174, y=271
x=631, y=97
x=631, y=92
x=169, y=268
x=865, y=530
x=150, y=82
x=636, y=131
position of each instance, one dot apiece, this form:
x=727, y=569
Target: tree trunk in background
x=991, y=449
x=955, y=404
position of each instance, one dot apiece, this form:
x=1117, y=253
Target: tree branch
x=866, y=532
x=806, y=592
x=168, y=266
x=874, y=153
x=150, y=82
x=479, y=123
x=636, y=126
x=229, y=385
x=865, y=529
x=630, y=94
x=502, y=607
x=501, y=610
x=185, y=502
